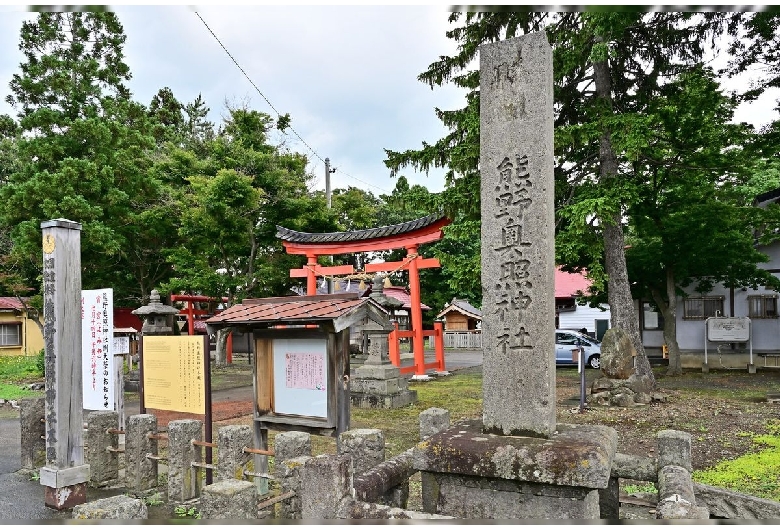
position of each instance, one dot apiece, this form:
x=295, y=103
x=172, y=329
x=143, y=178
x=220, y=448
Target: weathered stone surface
x=518, y=239
x=432, y=421
x=634, y=467
x=624, y=399
x=728, y=504
x=289, y=473
x=184, y=480
x=363, y=510
x=140, y=472
x=33, y=433
x=366, y=447
x=229, y=499
x=577, y=455
x=118, y=507
x=617, y=354
x=232, y=461
x=388, y=476
x=325, y=484
x=291, y=444
x=676, y=495
x=104, y=464
x=609, y=500
x=674, y=449
x=473, y=498
x=376, y=401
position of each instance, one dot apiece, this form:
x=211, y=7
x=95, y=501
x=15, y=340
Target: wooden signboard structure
x=409, y=235
x=301, y=369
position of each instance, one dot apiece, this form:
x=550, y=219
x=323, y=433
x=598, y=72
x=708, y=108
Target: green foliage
x=154, y=500
x=640, y=488
x=40, y=362
x=19, y=368
x=754, y=473
x=190, y=512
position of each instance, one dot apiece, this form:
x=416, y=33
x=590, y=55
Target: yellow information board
x=174, y=373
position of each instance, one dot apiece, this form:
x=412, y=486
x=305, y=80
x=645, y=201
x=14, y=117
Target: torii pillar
x=407, y=235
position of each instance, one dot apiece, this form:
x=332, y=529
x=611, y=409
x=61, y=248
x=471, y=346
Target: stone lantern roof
x=154, y=315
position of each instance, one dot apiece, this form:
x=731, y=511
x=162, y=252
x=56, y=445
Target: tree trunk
x=222, y=337
x=621, y=305
x=669, y=312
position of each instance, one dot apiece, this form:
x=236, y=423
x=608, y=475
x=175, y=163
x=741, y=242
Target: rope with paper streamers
x=361, y=276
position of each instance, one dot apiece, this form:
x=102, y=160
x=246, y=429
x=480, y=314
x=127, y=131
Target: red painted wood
x=422, y=263
x=322, y=270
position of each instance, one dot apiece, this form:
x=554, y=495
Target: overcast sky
x=347, y=75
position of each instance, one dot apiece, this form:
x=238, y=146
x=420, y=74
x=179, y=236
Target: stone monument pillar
x=517, y=463
x=65, y=474
x=518, y=236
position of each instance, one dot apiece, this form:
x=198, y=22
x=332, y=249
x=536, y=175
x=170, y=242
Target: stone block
x=433, y=421
x=382, y=387
x=140, y=471
x=674, y=449
x=118, y=507
x=33, y=433
x=325, y=484
x=617, y=354
x=376, y=401
x=366, y=447
x=288, y=472
x=229, y=499
x=184, y=479
x=104, y=463
x=232, y=461
x=291, y=444
x=577, y=455
x=377, y=371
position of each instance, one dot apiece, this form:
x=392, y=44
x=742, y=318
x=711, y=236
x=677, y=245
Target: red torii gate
x=191, y=313
x=407, y=235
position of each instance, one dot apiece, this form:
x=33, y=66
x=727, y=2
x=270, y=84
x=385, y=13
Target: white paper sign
x=121, y=345
x=97, y=341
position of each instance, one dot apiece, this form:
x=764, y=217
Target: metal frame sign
x=97, y=341
x=728, y=329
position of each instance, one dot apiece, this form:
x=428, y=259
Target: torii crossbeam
x=407, y=235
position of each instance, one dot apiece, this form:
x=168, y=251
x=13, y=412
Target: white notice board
x=301, y=377
x=97, y=359
x=728, y=329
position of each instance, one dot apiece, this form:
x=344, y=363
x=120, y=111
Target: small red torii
x=408, y=235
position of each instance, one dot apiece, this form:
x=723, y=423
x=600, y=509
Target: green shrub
x=40, y=362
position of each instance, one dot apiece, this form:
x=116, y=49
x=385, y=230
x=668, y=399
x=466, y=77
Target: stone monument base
x=471, y=475
x=380, y=386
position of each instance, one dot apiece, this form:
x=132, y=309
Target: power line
x=274, y=109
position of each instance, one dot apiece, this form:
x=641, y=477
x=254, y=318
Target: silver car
x=567, y=340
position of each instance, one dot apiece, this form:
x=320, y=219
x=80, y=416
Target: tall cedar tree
x=608, y=68
x=83, y=152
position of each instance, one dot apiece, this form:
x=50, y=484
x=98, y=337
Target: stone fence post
x=366, y=447
x=103, y=461
x=325, y=485
x=33, y=437
x=291, y=451
x=140, y=471
x=184, y=479
x=232, y=460
x=676, y=499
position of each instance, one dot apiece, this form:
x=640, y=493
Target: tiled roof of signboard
x=288, y=309
x=285, y=234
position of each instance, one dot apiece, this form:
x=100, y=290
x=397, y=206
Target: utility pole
x=328, y=171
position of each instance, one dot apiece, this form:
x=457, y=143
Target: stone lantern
x=377, y=384
x=155, y=316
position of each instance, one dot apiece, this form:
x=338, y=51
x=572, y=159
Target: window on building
x=10, y=334
x=701, y=307
x=651, y=318
x=762, y=306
